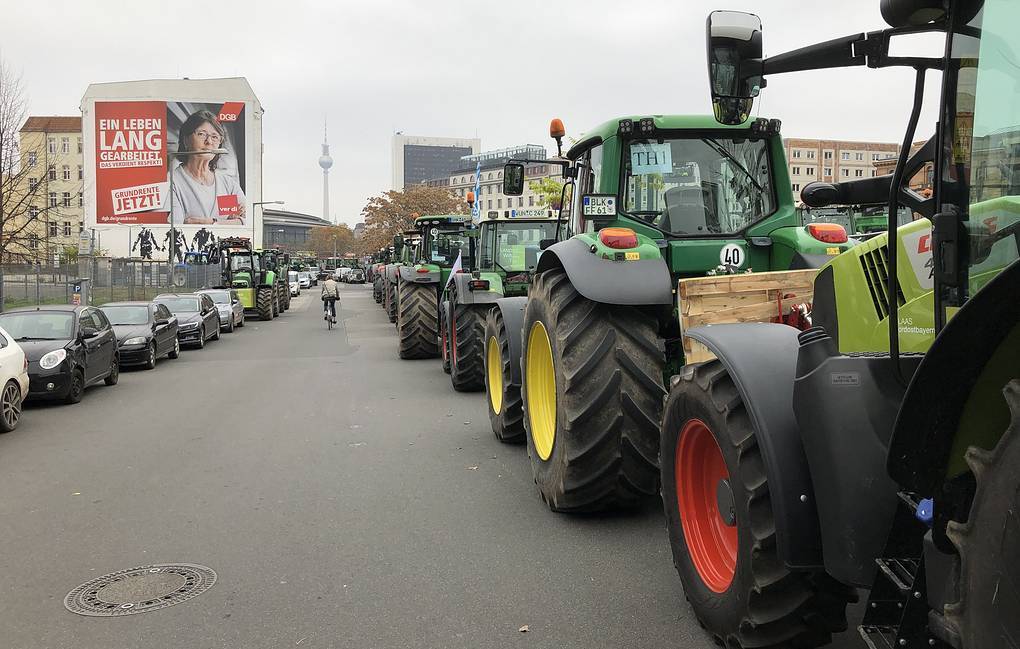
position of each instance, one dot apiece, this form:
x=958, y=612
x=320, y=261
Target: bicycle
x=330, y=311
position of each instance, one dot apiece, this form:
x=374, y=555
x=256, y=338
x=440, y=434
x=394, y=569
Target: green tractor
x=794, y=472
x=509, y=245
x=405, y=246
x=243, y=270
x=655, y=199
x=377, y=272
x=444, y=241
x=277, y=262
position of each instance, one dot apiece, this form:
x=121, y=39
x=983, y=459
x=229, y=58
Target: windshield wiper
x=720, y=149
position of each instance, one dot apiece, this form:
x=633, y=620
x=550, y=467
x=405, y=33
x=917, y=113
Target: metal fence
x=108, y=280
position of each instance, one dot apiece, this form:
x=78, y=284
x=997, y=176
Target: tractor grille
x=875, y=264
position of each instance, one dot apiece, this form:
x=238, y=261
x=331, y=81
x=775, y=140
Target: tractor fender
x=631, y=283
x=392, y=273
x=467, y=296
x=761, y=358
x=411, y=274
x=512, y=310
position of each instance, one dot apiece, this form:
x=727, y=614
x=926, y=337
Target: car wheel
x=151, y=362
x=241, y=322
x=201, y=338
x=230, y=327
x=77, y=388
x=114, y=375
x=176, y=351
x=216, y=335
x=10, y=407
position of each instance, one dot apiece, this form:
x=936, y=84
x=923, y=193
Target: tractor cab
x=442, y=241
x=510, y=243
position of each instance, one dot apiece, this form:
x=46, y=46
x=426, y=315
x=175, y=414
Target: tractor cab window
x=243, y=262
x=698, y=186
x=444, y=246
x=514, y=247
x=987, y=139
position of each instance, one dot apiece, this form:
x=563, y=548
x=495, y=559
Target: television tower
x=325, y=161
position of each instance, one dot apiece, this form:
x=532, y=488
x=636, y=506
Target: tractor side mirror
x=513, y=179
x=734, y=64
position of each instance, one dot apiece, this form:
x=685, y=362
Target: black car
x=145, y=331
x=68, y=348
x=197, y=318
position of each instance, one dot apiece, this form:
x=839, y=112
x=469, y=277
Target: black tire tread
x=608, y=415
x=508, y=425
x=264, y=303
x=467, y=373
x=417, y=322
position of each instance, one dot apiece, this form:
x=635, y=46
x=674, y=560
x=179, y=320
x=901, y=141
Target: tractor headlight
x=52, y=359
x=139, y=340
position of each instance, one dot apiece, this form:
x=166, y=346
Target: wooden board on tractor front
x=749, y=297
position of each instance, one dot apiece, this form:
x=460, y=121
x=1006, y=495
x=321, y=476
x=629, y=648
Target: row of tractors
x=639, y=342
x=259, y=276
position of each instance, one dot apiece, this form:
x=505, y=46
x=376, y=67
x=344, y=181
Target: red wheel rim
x=711, y=543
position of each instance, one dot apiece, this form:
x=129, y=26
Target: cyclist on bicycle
x=330, y=294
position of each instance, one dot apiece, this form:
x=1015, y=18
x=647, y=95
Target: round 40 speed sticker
x=733, y=255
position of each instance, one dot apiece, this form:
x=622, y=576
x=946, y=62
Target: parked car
x=356, y=276
x=145, y=331
x=295, y=283
x=68, y=348
x=228, y=306
x=344, y=273
x=197, y=318
x=14, y=379
x=304, y=279
x=313, y=275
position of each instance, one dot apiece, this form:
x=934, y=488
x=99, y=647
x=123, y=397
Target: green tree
x=549, y=191
x=322, y=240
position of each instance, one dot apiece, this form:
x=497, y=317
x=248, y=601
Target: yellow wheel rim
x=541, y=386
x=494, y=373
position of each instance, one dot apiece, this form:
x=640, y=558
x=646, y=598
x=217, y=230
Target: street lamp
x=253, y=206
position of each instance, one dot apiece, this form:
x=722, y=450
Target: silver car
x=228, y=306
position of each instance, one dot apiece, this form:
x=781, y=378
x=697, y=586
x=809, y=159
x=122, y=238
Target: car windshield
x=698, y=186
x=304, y=275
x=126, y=315
x=242, y=262
x=219, y=297
x=444, y=246
x=181, y=304
x=511, y=246
x=39, y=325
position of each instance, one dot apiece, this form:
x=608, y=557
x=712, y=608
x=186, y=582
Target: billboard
x=171, y=165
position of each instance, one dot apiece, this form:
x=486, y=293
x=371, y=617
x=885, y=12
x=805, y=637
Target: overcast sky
x=457, y=68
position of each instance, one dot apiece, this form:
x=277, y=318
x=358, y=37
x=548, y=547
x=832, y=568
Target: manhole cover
x=139, y=590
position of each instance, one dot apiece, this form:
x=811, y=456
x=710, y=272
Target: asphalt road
x=344, y=497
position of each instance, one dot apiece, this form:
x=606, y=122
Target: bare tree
x=23, y=201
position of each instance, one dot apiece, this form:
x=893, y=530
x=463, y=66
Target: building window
x=33, y=212
x=874, y=156
x=81, y=200
x=79, y=145
x=531, y=200
x=796, y=171
x=65, y=145
x=489, y=207
x=845, y=155
x=858, y=173
x=859, y=156
x=65, y=172
x=53, y=199
x=846, y=173
x=66, y=199
x=33, y=242
x=31, y=158
x=796, y=153
x=796, y=187
x=810, y=171
x=52, y=172
x=811, y=155
x=874, y=173
x=81, y=176
x=827, y=155
x=32, y=184
x=51, y=145
x=53, y=230
x=828, y=171
x=67, y=228
x=499, y=203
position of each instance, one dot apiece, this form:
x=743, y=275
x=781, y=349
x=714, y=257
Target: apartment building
x=833, y=160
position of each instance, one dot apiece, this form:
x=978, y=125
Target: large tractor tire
x=377, y=290
x=506, y=410
x=418, y=321
x=467, y=335
x=264, y=303
x=444, y=340
x=722, y=529
x=592, y=388
x=985, y=616
x=276, y=302
x=285, y=297
x=391, y=301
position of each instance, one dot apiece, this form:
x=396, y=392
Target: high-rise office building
x=416, y=159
